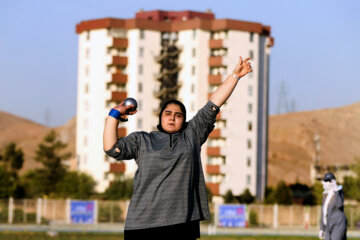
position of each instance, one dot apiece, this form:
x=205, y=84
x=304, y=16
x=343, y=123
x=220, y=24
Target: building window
x=142, y=34
x=141, y=69
x=192, y=106
x=85, y=124
x=251, y=37
x=139, y=123
x=86, y=106
x=140, y=105
x=193, y=70
x=249, y=143
x=251, y=54
x=141, y=52
x=192, y=88
x=250, y=108
x=140, y=87
x=194, y=33
x=87, y=53
x=248, y=161
x=87, y=70
x=194, y=52
x=87, y=35
x=250, y=90
x=248, y=179
x=250, y=126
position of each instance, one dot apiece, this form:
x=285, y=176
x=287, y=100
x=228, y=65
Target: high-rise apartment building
x=184, y=55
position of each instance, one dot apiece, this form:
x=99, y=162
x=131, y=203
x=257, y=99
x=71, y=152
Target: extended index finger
x=246, y=59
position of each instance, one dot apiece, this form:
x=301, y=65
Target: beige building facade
x=121, y=58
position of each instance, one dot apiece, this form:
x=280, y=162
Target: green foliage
x=269, y=195
x=351, y=185
x=12, y=158
x=317, y=193
x=253, y=218
x=33, y=183
x=110, y=213
x=11, y=162
x=302, y=194
x=44, y=181
x=7, y=183
x=119, y=189
x=229, y=197
x=246, y=197
x=281, y=195
x=76, y=185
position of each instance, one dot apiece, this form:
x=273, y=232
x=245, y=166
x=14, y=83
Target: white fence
x=55, y=211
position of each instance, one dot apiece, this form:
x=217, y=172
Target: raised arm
x=111, y=124
x=224, y=91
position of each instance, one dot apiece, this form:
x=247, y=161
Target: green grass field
x=112, y=236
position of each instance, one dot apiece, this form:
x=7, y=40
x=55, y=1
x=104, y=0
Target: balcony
x=216, y=43
x=119, y=167
x=215, y=61
x=213, y=151
x=216, y=133
x=213, y=169
x=121, y=132
x=218, y=116
x=119, y=61
x=119, y=78
x=118, y=96
x=215, y=79
x=120, y=43
x=214, y=188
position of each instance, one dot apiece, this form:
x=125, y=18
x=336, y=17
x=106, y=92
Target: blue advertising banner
x=82, y=211
x=232, y=216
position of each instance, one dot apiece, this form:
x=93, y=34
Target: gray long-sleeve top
x=169, y=185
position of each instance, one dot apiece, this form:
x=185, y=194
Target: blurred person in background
x=169, y=198
x=333, y=220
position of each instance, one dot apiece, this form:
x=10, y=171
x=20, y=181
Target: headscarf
x=183, y=110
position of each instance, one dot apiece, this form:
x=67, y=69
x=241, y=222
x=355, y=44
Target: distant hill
x=27, y=135
x=292, y=147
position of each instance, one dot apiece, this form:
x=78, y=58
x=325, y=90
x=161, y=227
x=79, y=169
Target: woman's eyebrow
x=169, y=111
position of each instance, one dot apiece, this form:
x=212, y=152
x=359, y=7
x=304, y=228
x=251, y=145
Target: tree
x=246, y=197
x=7, y=184
x=317, y=193
x=50, y=154
x=12, y=158
x=269, y=195
x=352, y=184
x=119, y=189
x=12, y=161
x=76, y=185
x=229, y=197
x=282, y=194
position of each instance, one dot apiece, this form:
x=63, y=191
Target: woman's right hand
x=125, y=110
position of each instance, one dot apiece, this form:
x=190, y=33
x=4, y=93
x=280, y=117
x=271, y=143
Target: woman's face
x=172, y=118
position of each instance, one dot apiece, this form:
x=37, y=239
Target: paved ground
x=205, y=230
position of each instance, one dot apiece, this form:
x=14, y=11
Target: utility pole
x=282, y=106
x=317, y=155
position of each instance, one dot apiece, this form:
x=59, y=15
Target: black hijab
x=183, y=110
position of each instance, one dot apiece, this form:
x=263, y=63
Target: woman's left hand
x=243, y=67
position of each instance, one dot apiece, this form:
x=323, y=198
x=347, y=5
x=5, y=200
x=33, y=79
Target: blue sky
x=315, y=54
